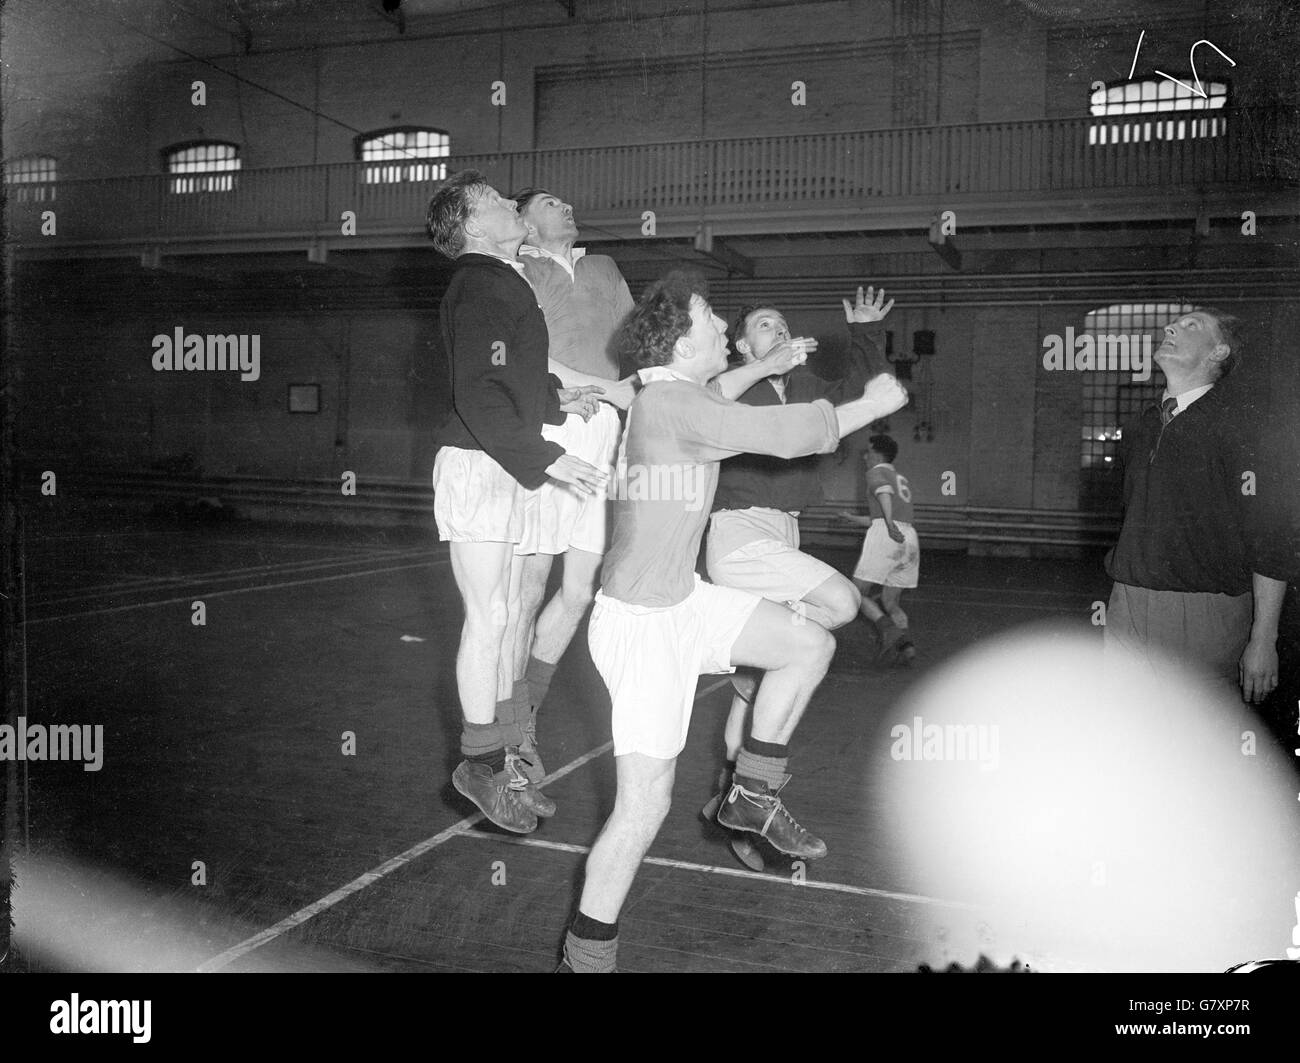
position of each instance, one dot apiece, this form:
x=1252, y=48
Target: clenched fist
x=885, y=395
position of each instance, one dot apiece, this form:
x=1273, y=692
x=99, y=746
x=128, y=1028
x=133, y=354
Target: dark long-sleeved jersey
x=774, y=483
x=496, y=342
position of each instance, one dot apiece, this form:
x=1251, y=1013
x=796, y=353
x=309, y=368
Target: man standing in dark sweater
x=492, y=450
x=1199, y=573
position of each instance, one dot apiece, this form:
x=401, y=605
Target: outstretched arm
x=864, y=317
x=783, y=357
x=617, y=393
x=866, y=358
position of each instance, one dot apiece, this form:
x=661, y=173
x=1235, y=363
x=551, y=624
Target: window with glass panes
x=31, y=179
x=203, y=167
x=1167, y=111
x=1113, y=399
x=407, y=154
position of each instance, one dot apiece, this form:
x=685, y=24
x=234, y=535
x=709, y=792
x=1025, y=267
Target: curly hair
x=450, y=209
x=659, y=320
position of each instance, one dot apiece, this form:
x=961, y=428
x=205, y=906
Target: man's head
x=673, y=324
x=468, y=214
x=880, y=448
x=756, y=330
x=1202, y=343
x=549, y=219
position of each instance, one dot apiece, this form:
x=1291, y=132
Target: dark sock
x=755, y=771
x=509, y=712
x=481, y=743
x=767, y=749
x=538, y=675
x=590, y=946
x=584, y=926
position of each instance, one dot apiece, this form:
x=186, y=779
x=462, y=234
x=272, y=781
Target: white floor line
x=456, y=830
x=273, y=568
x=733, y=872
x=329, y=900
x=238, y=590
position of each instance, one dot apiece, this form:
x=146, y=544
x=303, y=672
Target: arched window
x=1150, y=97
x=201, y=166
x=1125, y=337
x=31, y=178
x=404, y=154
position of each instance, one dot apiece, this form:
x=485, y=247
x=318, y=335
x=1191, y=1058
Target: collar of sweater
x=482, y=256
x=568, y=263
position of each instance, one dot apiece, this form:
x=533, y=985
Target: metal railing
x=1250, y=147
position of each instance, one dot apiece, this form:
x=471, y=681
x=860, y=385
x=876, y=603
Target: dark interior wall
x=91, y=396
x=864, y=66
x=1004, y=426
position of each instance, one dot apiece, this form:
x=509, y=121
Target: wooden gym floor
x=222, y=745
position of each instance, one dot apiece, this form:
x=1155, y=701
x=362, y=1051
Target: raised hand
x=570, y=470
x=870, y=306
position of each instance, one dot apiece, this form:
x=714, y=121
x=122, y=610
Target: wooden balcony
x=998, y=173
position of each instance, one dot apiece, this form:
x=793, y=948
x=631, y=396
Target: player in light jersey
x=891, y=553
x=584, y=299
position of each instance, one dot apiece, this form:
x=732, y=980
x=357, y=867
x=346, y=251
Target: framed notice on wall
x=304, y=398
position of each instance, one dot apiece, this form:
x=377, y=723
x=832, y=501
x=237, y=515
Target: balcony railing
x=1007, y=160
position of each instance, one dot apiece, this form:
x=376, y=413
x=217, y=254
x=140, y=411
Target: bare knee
x=488, y=616
x=577, y=595
x=646, y=808
x=840, y=601
x=581, y=571
x=813, y=647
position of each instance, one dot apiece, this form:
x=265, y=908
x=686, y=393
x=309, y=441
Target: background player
x=891, y=553
x=584, y=299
